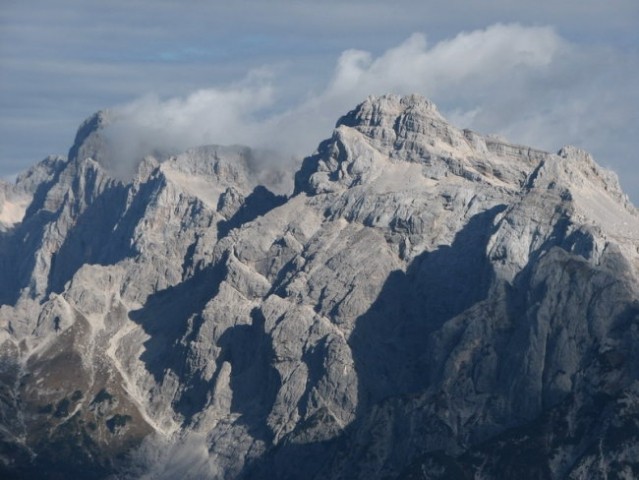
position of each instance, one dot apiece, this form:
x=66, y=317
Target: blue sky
x=277, y=74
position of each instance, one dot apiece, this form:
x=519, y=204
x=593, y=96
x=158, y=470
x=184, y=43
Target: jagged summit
x=400, y=151
x=437, y=300
x=86, y=143
x=377, y=111
x=410, y=129
x=401, y=128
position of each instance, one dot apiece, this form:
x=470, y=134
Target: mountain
x=429, y=303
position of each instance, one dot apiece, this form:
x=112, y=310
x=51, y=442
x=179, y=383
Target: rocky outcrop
x=429, y=303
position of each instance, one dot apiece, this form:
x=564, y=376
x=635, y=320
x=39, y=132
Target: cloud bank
x=526, y=83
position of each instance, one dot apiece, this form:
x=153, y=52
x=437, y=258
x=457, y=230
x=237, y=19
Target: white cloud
x=222, y=116
x=62, y=62
x=237, y=114
x=477, y=57
x=526, y=83
x=161, y=458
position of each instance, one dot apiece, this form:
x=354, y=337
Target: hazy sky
x=277, y=74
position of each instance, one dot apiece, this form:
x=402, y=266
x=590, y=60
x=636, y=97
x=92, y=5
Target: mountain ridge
x=427, y=297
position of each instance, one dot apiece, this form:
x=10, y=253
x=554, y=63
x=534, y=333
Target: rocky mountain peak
x=88, y=141
x=384, y=111
x=438, y=300
x=405, y=123
x=390, y=130
x=603, y=178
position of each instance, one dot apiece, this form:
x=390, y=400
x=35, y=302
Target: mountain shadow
x=17, y=267
x=254, y=380
x=102, y=234
x=26, y=237
x=259, y=202
x=172, y=318
x=92, y=241
x=389, y=340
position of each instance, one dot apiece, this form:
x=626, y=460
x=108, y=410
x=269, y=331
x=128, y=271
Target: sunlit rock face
x=428, y=303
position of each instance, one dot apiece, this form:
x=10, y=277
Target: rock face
x=429, y=303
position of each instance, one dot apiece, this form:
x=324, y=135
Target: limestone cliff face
x=429, y=303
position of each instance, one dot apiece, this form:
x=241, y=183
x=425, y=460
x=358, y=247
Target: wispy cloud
x=526, y=83
x=161, y=458
x=59, y=63
x=248, y=112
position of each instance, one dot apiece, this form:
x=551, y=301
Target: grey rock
x=429, y=303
